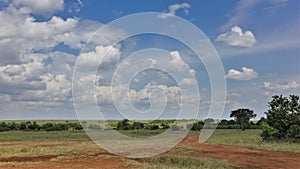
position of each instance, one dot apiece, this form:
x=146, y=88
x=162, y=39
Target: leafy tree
x=209, y=121
x=137, y=125
x=164, y=126
x=152, y=127
x=231, y=122
x=124, y=125
x=33, y=126
x=283, y=118
x=198, y=126
x=23, y=126
x=223, y=122
x=242, y=116
x=4, y=127
x=261, y=121
x=47, y=126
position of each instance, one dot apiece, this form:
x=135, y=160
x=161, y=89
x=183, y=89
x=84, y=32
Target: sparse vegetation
x=185, y=162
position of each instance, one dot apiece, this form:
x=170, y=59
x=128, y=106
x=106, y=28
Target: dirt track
x=250, y=158
x=245, y=157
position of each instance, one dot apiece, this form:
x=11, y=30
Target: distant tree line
x=34, y=126
x=123, y=125
x=211, y=123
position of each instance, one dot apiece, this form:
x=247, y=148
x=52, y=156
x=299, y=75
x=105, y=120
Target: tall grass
x=250, y=138
x=185, y=162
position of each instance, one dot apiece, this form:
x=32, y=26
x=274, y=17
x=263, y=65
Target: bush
x=283, y=119
x=33, y=126
x=164, y=126
x=198, y=126
x=152, y=127
x=94, y=127
x=124, y=125
x=2, y=129
x=269, y=133
x=137, y=125
x=294, y=132
x=175, y=128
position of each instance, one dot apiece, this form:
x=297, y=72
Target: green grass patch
x=185, y=162
x=250, y=138
x=41, y=135
x=141, y=133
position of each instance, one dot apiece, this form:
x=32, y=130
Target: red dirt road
x=242, y=156
x=247, y=157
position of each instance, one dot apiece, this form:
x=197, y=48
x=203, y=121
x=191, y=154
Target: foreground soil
x=94, y=157
x=247, y=157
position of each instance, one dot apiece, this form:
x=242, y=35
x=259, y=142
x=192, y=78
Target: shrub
x=283, y=119
x=175, y=128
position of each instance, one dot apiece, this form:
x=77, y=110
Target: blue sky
x=257, y=42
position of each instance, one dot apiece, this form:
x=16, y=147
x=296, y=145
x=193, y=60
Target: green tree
x=137, y=125
x=164, y=126
x=283, y=118
x=124, y=125
x=242, y=116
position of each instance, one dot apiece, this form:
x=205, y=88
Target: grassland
x=248, y=138
x=67, y=146
x=29, y=148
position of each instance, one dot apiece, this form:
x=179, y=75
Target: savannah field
x=227, y=148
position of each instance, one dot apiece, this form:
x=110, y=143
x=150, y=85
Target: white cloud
x=245, y=74
x=108, y=56
x=42, y=7
x=238, y=38
x=188, y=82
x=26, y=34
x=280, y=87
x=173, y=8
x=33, y=81
x=176, y=64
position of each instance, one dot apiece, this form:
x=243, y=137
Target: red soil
x=243, y=156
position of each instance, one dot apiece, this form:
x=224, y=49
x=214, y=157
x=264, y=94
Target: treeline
x=211, y=123
x=34, y=126
x=123, y=125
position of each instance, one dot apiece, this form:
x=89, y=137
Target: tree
x=209, y=121
x=242, y=116
x=261, y=121
x=124, y=125
x=164, y=126
x=283, y=118
x=137, y=125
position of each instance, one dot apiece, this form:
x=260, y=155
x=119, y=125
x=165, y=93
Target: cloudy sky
x=40, y=42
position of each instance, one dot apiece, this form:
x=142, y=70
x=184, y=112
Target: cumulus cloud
x=245, y=74
x=176, y=64
x=187, y=82
x=280, y=87
x=238, y=38
x=173, y=8
x=42, y=7
x=26, y=34
x=107, y=56
x=34, y=81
